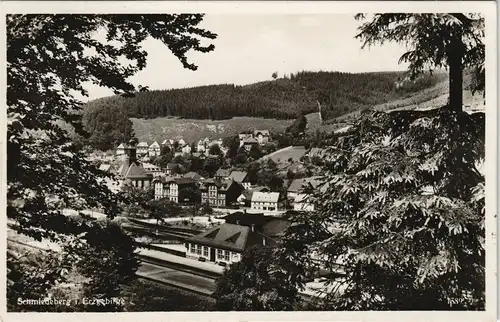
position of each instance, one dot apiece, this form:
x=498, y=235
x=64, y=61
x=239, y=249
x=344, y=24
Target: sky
x=250, y=47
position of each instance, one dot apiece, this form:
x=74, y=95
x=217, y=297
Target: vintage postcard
x=249, y=160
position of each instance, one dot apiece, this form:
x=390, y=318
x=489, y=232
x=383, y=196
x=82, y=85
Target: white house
x=142, y=148
x=262, y=136
x=151, y=168
x=181, y=142
x=154, y=149
x=120, y=150
x=186, y=149
x=243, y=137
x=302, y=203
x=202, y=145
x=266, y=201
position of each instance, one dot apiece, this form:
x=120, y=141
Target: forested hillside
x=284, y=98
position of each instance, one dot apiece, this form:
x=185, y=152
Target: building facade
x=220, y=192
x=154, y=149
x=262, y=136
x=225, y=244
x=179, y=190
x=142, y=149
x=268, y=202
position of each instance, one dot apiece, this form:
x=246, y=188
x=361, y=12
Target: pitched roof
x=258, y=196
x=180, y=181
x=222, y=185
x=223, y=173
x=230, y=237
x=249, y=141
x=245, y=219
x=143, y=144
x=163, y=179
x=154, y=145
x=299, y=185
x=263, y=132
x=121, y=146
x=122, y=170
x=193, y=175
x=238, y=176
x=136, y=171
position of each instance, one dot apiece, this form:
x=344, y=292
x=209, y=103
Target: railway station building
x=225, y=244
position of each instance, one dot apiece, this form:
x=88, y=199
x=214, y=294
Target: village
x=246, y=213
x=262, y=167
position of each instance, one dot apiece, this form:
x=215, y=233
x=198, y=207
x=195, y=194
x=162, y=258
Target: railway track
x=166, y=233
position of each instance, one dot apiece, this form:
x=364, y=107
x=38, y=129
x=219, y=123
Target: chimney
x=131, y=151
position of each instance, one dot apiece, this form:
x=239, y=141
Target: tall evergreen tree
x=435, y=40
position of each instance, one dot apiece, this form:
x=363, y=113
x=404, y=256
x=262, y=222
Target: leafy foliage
x=49, y=59
x=402, y=208
x=298, y=126
x=256, y=283
x=105, y=256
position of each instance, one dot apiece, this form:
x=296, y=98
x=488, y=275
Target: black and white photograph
x=211, y=158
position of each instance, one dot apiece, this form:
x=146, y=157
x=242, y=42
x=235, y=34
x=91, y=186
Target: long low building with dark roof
x=226, y=243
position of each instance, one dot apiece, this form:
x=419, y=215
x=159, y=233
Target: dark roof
x=223, y=173
x=222, y=185
x=238, y=176
x=136, y=171
x=231, y=237
x=298, y=185
x=172, y=165
x=133, y=170
x=162, y=179
x=122, y=170
x=245, y=219
x=192, y=175
x=180, y=181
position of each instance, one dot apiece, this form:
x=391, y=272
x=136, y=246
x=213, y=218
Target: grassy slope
x=191, y=130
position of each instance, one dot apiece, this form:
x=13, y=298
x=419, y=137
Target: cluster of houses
x=227, y=188
x=255, y=138
x=143, y=149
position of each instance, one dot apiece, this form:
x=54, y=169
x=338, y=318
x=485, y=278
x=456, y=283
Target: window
x=205, y=251
x=219, y=254
x=198, y=249
x=226, y=255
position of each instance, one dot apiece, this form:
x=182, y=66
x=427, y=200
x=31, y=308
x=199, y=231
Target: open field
x=293, y=152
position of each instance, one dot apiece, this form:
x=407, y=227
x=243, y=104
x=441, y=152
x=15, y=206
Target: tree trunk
x=455, y=54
